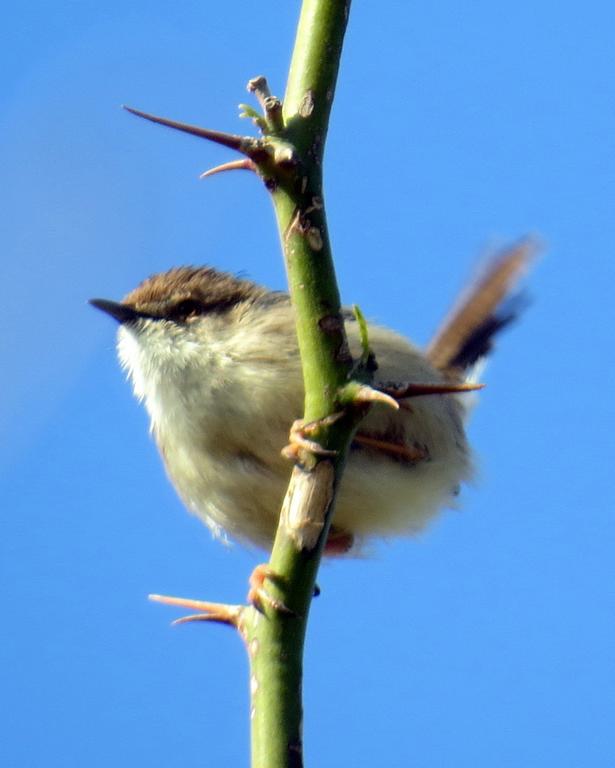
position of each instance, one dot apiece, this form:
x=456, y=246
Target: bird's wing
x=483, y=309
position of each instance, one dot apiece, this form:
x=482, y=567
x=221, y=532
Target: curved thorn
x=258, y=596
x=233, y=141
x=367, y=394
x=215, y=618
x=233, y=165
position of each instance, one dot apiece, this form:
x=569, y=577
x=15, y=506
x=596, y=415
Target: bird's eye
x=186, y=308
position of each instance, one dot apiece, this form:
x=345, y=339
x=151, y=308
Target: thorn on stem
x=403, y=391
x=216, y=612
x=365, y=394
x=233, y=165
x=245, y=145
x=258, y=595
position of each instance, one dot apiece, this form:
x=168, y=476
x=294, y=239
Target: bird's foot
x=299, y=437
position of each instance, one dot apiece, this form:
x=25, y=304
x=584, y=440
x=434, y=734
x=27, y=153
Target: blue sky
x=486, y=641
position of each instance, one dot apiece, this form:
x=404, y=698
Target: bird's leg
x=410, y=453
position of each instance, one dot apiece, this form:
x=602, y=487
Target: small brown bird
x=215, y=360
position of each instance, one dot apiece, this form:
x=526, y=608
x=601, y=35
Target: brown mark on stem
x=306, y=106
x=302, y=225
x=330, y=323
x=314, y=239
x=334, y=324
x=306, y=504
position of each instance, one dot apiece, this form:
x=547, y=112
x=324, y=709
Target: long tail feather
x=483, y=310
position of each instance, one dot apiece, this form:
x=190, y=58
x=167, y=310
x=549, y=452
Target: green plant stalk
x=313, y=72
x=311, y=273
x=274, y=638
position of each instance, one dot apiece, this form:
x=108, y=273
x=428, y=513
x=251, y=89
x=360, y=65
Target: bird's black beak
x=123, y=313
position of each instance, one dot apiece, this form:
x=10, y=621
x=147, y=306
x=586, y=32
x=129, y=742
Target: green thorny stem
x=275, y=641
x=289, y=158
